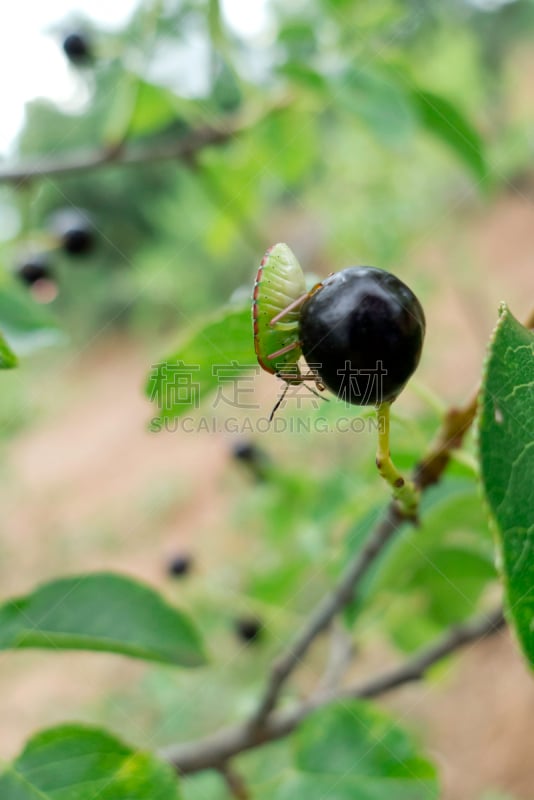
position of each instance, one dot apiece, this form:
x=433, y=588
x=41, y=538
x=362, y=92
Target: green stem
x=404, y=491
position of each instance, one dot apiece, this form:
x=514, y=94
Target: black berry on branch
x=77, y=48
x=75, y=231
x=362, y=331
x=33, y=268
x=180, y=565
x=248, y=629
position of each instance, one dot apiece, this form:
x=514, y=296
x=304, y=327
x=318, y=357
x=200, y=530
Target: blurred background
x=387, y=132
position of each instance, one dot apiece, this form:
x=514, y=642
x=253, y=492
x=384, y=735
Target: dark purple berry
x=78, y=241
x=77, y=48
x=75, y=231
x=32, y=269
x=252, y=457
x=179, y=566
x=362, y=331
x=248, y=629
x=245, y=451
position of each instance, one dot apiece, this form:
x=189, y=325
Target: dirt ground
x=75, y=494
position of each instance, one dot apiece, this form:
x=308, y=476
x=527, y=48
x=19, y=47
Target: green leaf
x=140, y=108
x=8, y=359
x=506, y=442
x=438, y=571
x=299, y=39
x=380, y=103
x=181, y=382
x=26, y=325
x=289, y=143
x=304, y=75
x=354, y=751
x=155, y=108
x=103, y=612
x=226, y=90
x=204, y=786
x=448, y=582
x=74, y=762
x=448, y=123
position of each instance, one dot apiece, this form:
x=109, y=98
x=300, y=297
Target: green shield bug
x=279, y=292
x=279, y=283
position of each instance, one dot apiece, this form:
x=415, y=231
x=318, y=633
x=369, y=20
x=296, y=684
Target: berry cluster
x=247, y=629
x=72, y=231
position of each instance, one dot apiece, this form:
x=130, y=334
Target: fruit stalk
x=404, y=491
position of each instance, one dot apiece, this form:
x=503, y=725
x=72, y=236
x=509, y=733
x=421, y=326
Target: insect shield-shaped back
x=278, y=291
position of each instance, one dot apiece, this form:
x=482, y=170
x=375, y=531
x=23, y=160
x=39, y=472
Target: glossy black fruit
x=179, y=566
x=32, y=269
x=362, y=331
x=248, y=629
x=77, y=48
x=253, y=458
x=245, y=451
x=75, y=231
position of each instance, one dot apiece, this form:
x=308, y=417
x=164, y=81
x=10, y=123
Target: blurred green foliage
x=355, y=751
x=377, y=92
x=390, y=108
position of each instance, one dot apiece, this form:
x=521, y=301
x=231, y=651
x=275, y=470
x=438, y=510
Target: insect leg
x=278, y=402
x=284, y=350
x=291, y=307
x=298, y=378
x=320, y=396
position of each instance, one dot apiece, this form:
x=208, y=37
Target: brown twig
x=182, y=149
x=427, y=472
x=266, y=724
x=341, y=655
x=229, y=742
x=235, y=783
x=456, y=423
x=340, y=596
